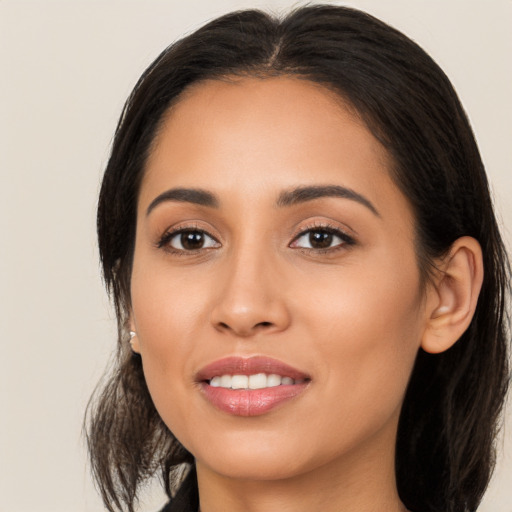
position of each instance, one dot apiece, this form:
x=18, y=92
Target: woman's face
x=271, y=240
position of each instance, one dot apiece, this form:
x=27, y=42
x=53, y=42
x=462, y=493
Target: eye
x=322, y=238
x=188, y=240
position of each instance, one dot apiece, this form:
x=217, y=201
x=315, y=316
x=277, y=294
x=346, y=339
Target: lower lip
x=251, y=402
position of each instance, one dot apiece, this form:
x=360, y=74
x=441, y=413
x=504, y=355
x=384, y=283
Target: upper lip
x=249, y=366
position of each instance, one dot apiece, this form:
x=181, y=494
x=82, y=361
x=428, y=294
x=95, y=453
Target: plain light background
x=66, y=69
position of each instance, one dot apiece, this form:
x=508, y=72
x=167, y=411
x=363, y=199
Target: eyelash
x=165, y=240
x=347, y=240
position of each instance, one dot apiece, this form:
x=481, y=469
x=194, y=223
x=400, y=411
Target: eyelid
x=163, y=241
x=327, y=227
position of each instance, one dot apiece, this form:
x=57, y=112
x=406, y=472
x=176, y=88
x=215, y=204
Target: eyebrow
x=287, y=198
x=309, y=193
x=185, y=195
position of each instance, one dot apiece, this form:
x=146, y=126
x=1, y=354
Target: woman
x=309, y=281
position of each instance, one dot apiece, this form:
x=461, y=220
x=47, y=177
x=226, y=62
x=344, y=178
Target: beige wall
x=66, y=68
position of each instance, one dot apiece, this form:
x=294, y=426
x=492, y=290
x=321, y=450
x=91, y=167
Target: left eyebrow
x=309, y=193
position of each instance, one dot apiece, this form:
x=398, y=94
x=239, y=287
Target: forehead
x=246, y=136
x=282, y=106
x=278, y=92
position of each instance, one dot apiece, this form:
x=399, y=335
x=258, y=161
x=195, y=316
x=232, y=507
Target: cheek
x=167, y=306
x=167, y=311
x=366, y=326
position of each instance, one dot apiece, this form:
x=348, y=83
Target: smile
x=250, y=386
x=255, y=381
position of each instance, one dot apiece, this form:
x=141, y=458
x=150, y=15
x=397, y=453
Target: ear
x=134, y=339
x=452, y=299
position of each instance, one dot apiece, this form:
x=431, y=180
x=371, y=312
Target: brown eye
x=320, y=239
x=191, y=240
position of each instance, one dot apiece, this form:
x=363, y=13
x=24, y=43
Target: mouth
x=254, y=381
x=250, y=386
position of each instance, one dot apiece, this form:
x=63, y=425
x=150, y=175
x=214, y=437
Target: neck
x=357, y=482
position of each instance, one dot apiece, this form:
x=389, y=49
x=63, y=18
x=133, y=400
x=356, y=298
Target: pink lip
x=249, y=366
x=250, y=402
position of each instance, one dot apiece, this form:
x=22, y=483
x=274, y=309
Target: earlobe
x=134, y=340
x=453, y=296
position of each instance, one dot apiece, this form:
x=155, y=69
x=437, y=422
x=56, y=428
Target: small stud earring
x=132, y=335
x=441, y=310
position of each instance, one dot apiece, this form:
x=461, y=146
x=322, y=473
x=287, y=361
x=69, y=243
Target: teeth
x=225, y=381
x=215, y=382
x=273, y=380
x=256, y=381
x=239, y=382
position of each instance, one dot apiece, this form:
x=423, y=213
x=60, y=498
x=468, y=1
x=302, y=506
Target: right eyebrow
x=185, y=195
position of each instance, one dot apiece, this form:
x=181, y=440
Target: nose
x=251, y=298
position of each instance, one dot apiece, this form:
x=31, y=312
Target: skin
x=352, y=317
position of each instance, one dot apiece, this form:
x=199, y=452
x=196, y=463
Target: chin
x=262, y=456
x=254, y=466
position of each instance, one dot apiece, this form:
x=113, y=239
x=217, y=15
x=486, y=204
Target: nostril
x=240, y=329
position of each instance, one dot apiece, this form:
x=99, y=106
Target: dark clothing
x=187, y=497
